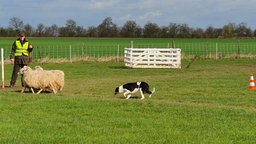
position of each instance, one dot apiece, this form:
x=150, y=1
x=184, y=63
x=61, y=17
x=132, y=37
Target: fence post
x=117, y=53
x=83, y=50
x=207, y=51
x=2, y=62
x=70, y=55
x=173, y=44
x=216, y=55
x=238, y=48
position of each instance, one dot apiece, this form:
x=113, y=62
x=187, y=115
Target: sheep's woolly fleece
x=42, y=80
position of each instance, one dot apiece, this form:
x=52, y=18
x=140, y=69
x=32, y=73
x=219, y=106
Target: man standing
x=20, y=52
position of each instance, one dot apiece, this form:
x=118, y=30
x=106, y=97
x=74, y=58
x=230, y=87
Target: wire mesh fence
x=202, y=50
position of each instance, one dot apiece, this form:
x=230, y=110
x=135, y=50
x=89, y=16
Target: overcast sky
x=195, y=13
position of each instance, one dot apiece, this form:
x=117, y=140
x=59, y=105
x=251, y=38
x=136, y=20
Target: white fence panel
x=152, y=57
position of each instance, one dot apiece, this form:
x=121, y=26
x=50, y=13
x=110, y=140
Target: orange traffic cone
x=252, y=84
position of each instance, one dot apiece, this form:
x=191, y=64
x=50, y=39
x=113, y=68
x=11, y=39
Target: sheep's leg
x=39, y=91
x=54, y=91
x=22, y=91
x=32, y=90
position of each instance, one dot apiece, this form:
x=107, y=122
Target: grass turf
x=208, y=103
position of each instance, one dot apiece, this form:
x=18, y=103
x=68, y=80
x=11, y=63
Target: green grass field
x=208, y=103
x=137, y=42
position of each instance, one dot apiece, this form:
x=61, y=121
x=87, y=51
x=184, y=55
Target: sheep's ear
x=24, y=69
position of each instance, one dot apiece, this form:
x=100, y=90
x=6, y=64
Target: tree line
x=129, y=30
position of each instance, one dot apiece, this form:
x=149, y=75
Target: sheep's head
x=24, y=70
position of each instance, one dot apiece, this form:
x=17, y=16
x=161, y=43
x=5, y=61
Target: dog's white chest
x=121, y=90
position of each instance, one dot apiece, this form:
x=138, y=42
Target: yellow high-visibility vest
x=21, y=49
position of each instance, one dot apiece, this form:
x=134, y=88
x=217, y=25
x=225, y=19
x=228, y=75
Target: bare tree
x=107, y=28
x=185, y=31
x=165, y=32
x=254, y=33
x=29, y=30
x=173, y=30
x=92, y=32
x=151, y=30
x=40, y=30
x=52, y=31
x=209, y=32
x=243, y=31
x=71, y=27
x=69, y=30
x=3, y=32
x=198, y=33
x=16, y=23
x=130, y=29
x=80, y=31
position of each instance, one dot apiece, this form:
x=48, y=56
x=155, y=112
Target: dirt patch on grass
x=8, y=88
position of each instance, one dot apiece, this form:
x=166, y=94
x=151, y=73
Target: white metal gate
x=152, y=57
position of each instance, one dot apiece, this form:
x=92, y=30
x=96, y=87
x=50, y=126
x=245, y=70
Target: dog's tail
x=151, y=92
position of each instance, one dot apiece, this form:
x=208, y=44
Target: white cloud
x=103, y=4
x=149, y=15
x=126, y=17
x=144, y=4
x=65, y=6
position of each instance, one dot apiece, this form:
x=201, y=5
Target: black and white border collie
x=131, y=88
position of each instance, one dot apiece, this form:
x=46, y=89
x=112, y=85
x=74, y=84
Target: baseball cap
x=22, y=34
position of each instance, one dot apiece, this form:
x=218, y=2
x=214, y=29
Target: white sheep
x=42, y=80
x=30, y=78
x=28, y=74
x=58, y=77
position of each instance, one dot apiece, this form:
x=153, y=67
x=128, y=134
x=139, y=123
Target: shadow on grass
x=18, y=89
x=118, y=67
x=132, y=97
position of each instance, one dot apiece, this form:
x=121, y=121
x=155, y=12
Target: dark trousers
x=19, y=62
